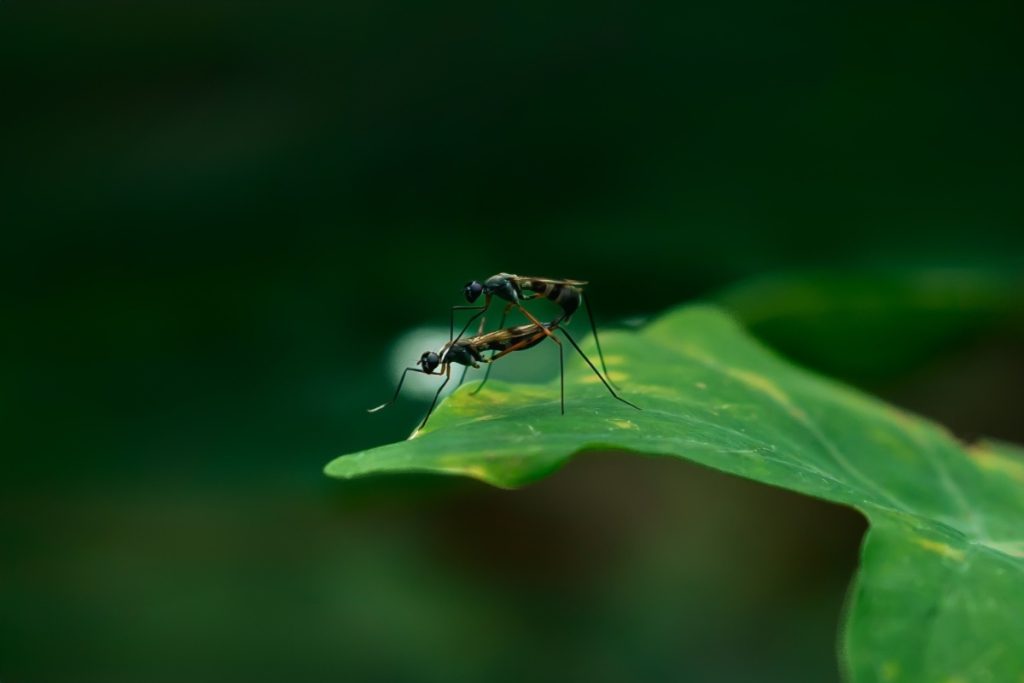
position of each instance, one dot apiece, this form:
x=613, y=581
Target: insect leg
x=596, y=372
x=394, y=398
x=533, y=340
x=487, y=373
x=462, y=378
x=447, y=376
x=597, y=342
x=451, y=319
x=538, y=323
x=561, y=373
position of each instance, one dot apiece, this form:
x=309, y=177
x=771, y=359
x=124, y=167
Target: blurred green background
x=220, y=217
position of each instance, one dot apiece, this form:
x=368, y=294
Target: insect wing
x=509, y=334
x=551, y=281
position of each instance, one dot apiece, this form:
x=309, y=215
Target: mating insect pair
x=514, y=289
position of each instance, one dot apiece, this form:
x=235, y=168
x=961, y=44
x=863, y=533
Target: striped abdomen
x=566, y=296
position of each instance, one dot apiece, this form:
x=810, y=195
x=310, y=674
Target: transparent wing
x=551, y=281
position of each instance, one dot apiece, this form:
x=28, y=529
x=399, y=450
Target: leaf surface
x=940, y=593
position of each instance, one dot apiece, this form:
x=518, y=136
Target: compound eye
x=429, y=361
x=473, y=291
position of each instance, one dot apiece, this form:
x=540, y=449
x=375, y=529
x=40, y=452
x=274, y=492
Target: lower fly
x=469, y=352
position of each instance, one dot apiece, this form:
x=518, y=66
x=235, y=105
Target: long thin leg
x=451, y=319
x=394, y=398
x=465, y=368
x=561, y=372
x=597, y=342
x=596, y=372
x=533, y=340
x=533, y=319
x=447, y=376
x=462, y=378
x=487, y=373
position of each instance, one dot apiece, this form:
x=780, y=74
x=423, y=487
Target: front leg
x=398, y=389
x=487, y=373
x=451, y=320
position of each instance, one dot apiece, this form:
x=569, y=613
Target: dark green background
x=219, y=216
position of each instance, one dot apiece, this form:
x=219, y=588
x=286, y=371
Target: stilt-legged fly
x=468, y=351
x=567, y=294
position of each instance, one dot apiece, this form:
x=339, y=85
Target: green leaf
x=940, y=593
x=872, y=325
